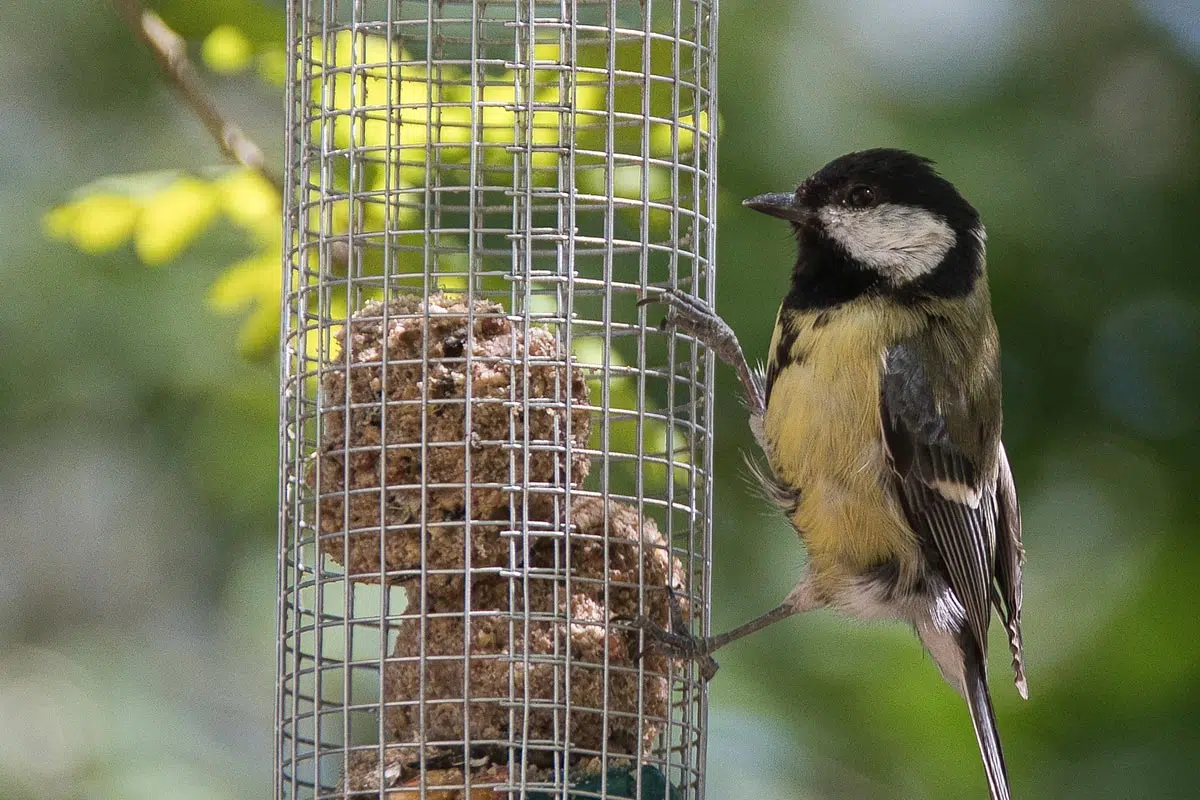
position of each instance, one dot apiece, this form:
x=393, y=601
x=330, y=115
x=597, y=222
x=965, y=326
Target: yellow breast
x=824, y=438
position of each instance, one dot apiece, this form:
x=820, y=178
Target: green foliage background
x=138, y=468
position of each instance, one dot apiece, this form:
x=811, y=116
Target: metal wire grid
x=556, y=158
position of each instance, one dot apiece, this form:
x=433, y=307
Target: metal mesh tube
x=489, y=452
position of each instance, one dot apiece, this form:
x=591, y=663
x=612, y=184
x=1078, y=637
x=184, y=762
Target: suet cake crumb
x=401, y=778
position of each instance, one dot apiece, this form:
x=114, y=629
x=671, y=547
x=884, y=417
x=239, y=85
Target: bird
x=879, y=413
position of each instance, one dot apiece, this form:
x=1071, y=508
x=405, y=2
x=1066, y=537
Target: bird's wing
x=948, y=502
x=1010, y=558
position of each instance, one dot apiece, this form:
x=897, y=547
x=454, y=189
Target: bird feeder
x=491, y=457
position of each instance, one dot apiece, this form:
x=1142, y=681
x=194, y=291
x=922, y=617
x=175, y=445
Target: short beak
x=778, y=204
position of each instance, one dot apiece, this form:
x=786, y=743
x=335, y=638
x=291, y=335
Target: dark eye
x=860, y=196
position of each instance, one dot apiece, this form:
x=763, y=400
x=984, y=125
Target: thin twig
x=170, y=51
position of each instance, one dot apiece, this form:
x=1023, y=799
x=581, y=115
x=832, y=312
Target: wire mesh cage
x=491, y=455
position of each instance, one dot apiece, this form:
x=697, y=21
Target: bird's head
x=884, y=212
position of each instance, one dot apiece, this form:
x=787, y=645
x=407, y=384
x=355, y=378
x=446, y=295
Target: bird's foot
x=677, y=643
x=681, y=646
x=697, y=318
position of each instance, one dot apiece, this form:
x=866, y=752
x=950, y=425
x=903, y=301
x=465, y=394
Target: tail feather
x=983, y=717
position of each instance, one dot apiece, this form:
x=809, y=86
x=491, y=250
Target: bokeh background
x=138, y=461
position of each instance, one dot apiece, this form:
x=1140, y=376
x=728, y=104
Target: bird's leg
x=679, y=643
x=695, y=317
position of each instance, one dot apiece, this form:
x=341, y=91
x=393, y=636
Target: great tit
x=879, y=414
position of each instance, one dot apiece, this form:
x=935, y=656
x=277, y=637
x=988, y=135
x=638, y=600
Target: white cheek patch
x=901, y=243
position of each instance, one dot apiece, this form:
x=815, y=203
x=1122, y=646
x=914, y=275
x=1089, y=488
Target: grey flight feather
x=948, y=502
x=1010, y=558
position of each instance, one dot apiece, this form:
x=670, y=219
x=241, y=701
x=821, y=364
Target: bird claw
x=694, y=317
x=678, y=646
x=697, y=318
x=677, y=643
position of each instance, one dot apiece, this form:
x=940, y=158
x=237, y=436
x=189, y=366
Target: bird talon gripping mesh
x=493, y=459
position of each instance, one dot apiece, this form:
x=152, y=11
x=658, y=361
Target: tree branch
x=170, y=51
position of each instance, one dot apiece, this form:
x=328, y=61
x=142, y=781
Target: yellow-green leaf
x=172, y=218
x=95, y=223
x=661, y=132
x=252, y=280
x=251, y=202
x=260, y=332
x=252, y=283
x=273, y=66
x=227, y=50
